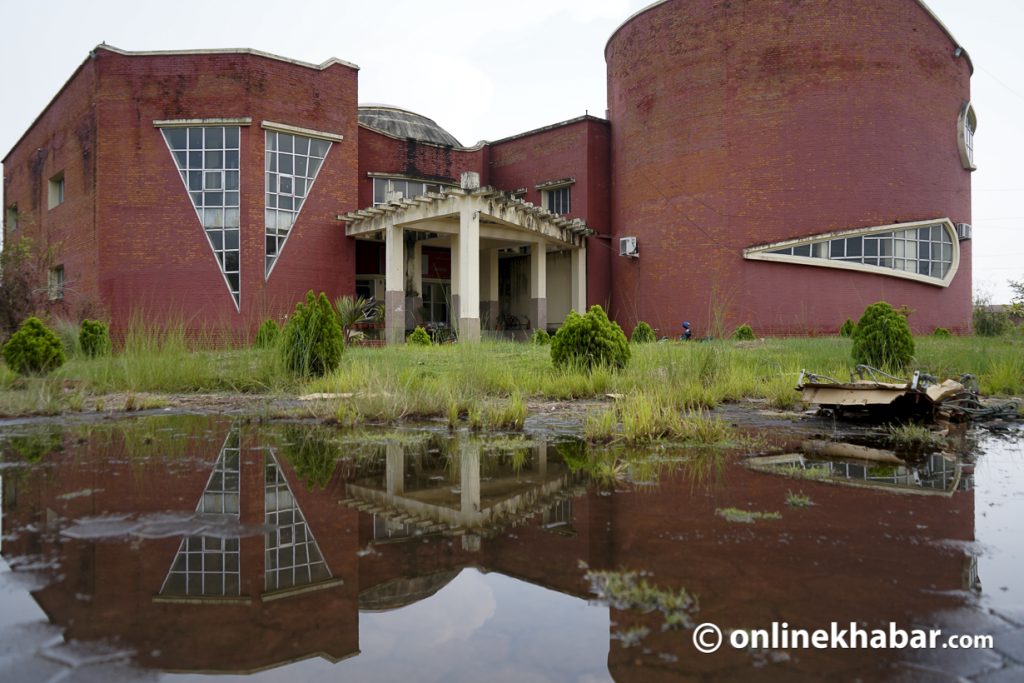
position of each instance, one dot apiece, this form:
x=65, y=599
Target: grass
x=798, y=500
x=745, y=516
x=625, y=590
x=490, y=383
x=914, y=436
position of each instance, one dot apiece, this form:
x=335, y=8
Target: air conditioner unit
x=963, y=231
x=627, y=247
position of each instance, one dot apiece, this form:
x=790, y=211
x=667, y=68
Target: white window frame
x=966, y=126
x=820, y=243
x=547, y=189
x=56, y=189
x=55, y=282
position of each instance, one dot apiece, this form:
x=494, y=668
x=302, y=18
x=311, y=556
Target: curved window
x=966, y=125
x=927, y=251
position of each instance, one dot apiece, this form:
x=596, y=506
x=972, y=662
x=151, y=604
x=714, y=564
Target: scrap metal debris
x=923, y=394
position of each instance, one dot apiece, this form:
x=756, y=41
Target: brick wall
x=154, y=257
x=737, y=124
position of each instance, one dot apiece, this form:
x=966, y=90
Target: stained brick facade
x=730, y=125
x=740, y=124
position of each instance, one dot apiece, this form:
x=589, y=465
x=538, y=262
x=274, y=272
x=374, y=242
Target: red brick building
x=773, y=163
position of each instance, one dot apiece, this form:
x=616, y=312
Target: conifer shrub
x=743, y=333
x=94, y=338
x=540, y=338
x=941, y=332
x=312, y=339
x=419, y=337
x=34, y=349
x=882, y=338
x=848, y=328
x=642, y=334
x=589, y=340
x=267, y=335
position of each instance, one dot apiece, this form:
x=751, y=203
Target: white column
x=453, y=312
x=539, y=285
x=469, y=275
x=394, y=468
x=394, y=286
x=579, y=279
x=491, y=290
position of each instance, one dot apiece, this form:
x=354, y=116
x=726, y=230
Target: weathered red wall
x=155, y=259
x=63, y=138
x=738, y=124
x=577, y=149
x=380, y=153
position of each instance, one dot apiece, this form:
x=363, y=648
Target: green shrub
x=589, y=340
x=642, y=334
x=267, y=334
x=419, y=337
x=743, y=333
x=33, y=349
x=540, y=338
x=94, y=338
x=312, y=339
x=990, y=323
x=941, y=332
x=882, y=338
x=848, y=328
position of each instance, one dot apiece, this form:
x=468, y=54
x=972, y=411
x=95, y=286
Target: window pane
x=195, y=138
x=231, y=137
x=177, y=138
x=214, y=138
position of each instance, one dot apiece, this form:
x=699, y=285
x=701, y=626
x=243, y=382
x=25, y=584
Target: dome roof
x=404, y=124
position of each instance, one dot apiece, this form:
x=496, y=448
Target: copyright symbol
x=707, y=638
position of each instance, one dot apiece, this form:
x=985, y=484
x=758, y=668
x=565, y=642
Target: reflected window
x=207, y=158
x=293, y=556
x=207, y=566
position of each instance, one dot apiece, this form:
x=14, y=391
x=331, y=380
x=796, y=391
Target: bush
x=642, y=334
x=988, y=322
x=589, y=340
x=941, y=332
x=882, y=338
x=94, y=338
x=33, y=349
x=848, y=328
x=312, y=339
x=540, y=338
x=743, y=333
x=419, y=337
x=267, y=334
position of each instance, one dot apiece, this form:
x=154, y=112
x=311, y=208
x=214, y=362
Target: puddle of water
x=176, y=547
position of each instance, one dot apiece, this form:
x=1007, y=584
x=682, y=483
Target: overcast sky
x=485, y=70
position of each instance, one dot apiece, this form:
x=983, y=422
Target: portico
x=479, y=225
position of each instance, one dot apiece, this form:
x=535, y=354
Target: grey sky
x=485, y=70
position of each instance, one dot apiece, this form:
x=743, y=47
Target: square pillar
x=539, y=286
x=489, y=287
x=415, y=303
x=578, y=266
x=394, y=469
x=394, y=285
x=453, y=309
x=469, y=275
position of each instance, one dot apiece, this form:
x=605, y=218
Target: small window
x=11, y=218
x=558, y=200
x=56, y=195
x=967, y=124
x=56, y=283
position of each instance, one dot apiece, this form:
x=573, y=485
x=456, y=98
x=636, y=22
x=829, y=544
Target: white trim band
x=295, y=130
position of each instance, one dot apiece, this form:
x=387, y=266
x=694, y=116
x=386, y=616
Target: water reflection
x=306, y=548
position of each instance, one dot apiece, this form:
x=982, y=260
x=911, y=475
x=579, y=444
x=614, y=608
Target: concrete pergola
x=475, y=222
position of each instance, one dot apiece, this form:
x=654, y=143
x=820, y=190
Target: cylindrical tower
x=744, y=134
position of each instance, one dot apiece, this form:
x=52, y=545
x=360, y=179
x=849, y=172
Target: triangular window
x=292, y=164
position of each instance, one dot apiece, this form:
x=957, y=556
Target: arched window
x=966, y=125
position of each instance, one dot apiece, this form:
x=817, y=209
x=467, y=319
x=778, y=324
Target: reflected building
x=281, y=571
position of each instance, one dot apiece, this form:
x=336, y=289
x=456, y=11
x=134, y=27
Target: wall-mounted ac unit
x=627, y=247
x=963, y=231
